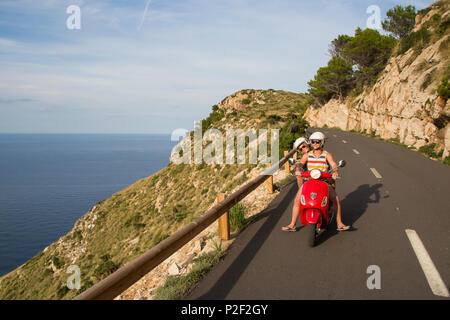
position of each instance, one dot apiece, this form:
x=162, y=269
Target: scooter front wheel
x=311, y=231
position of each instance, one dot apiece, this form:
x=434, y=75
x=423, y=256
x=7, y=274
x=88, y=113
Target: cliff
x=403, y=103
x=121, y=228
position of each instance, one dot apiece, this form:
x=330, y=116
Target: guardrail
x=119, y=281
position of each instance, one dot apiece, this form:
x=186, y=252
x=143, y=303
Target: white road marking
x=355, y=151
x=433, y=277
x=334, y=135
x=375, y=173
x=344, y=141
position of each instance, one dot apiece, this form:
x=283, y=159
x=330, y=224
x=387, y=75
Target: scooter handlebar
x=307, y=174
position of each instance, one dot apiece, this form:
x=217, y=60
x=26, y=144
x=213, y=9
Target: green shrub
x=427, y=81
x=56, y=262
x=417, y=40
x=62, y=291
x=180, y=215
x=237, y=217
x=176, y=288
x=134, y=221
x=86, y=285
x=447, y=160
x=292, y=130
x=334, y=80
x=105, y=268
x=273, y=118
x=400, y=20
x=77, y=235
x=368, y=51
x=423, y=12
x=436, y=18
x=47, y=272
x=215, y=116
x=160, y=238
x=443, y=26
x=105, y=257
x=429, y=150
x=444, y=88
x=246, y=101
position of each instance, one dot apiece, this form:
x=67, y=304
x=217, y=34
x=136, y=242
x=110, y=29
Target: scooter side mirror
x=291, y=161
x=342, y=163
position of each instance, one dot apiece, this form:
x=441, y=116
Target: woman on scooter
x=322, y=160
x=301, y=144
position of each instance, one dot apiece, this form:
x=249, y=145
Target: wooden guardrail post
x=223, y=221
x=269, y=181
x=286, y=165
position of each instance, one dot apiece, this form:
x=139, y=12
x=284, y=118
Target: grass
x=447, y=161
x=176, y=287
x=282, y=183
x=428, y=150
x=416, y=39
x=237, y=217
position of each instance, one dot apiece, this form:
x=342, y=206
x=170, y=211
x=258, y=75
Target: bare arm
x=297, y=169
x=303, y=160
x=333, y=165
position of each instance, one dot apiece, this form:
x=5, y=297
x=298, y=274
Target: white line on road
x=375, y=173
x=355, y=151
x=344, y=141
x=433, y=277
x=334, y=135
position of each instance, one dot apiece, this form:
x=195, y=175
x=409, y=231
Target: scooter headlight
x=302, y=200
x=324, y=201
x=315, y=173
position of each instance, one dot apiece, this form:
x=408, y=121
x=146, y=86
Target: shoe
x=346, y=228
x=287, y=228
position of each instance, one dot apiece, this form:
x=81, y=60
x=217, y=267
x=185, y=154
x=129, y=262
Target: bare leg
x=295, y=210
x=337, y=209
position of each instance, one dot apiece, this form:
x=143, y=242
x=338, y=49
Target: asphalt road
x=406, y=191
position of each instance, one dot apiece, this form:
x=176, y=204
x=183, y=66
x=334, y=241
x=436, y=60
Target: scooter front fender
x=312, y=215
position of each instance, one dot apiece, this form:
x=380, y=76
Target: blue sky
x=129, y=72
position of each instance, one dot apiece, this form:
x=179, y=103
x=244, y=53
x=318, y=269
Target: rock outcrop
x=403, y=104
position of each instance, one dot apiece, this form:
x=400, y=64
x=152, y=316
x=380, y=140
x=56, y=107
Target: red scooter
x=315, y=209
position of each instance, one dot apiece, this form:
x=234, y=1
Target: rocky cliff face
x=403, y=104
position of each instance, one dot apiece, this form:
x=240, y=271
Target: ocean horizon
x=49, y=180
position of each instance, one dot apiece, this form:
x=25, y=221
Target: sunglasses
x=302, y=147
x=316, y=141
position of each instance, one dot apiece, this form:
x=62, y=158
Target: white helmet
x=317, y=136
x=299, y=142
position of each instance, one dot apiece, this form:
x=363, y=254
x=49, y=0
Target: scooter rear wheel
x=311, y=231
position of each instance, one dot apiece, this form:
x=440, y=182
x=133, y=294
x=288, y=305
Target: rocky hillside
x=130, y=222
x=403, y=104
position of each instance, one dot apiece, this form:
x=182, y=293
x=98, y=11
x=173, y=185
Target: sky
x=152, y=66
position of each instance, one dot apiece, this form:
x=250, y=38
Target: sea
x=48, y=181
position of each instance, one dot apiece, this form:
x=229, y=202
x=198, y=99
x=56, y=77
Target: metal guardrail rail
x=120, y=280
